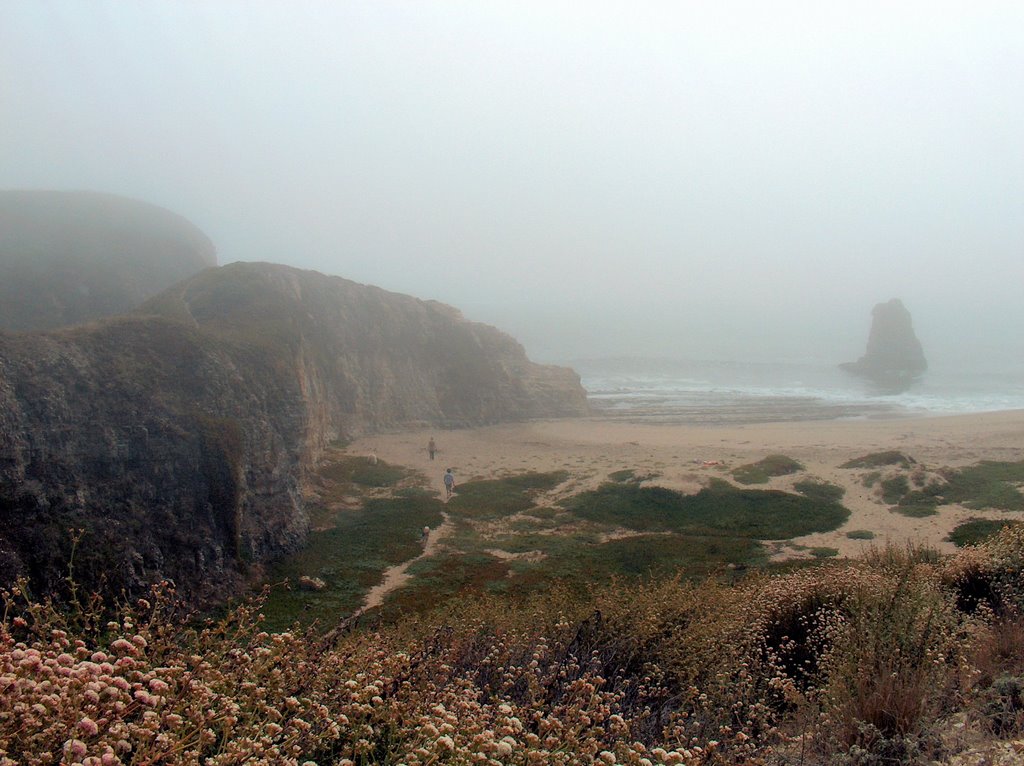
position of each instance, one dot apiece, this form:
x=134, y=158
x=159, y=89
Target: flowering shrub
x=851, y=657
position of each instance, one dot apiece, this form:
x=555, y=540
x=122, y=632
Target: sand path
x=398, y=575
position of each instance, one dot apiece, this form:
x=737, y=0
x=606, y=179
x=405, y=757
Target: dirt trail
x=397, y=576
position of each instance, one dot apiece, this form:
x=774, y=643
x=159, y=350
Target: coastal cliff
x=72, y=257
x=370, y=359
x=173, y=443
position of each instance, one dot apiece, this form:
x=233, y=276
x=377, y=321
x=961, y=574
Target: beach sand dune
x=685, y=457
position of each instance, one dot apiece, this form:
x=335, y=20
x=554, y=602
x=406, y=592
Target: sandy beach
x=685, y=457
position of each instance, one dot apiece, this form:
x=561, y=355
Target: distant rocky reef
x=173, y=442
x=894, y=359
x=72, y=257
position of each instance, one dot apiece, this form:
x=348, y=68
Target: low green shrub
x=719, y=508
x=820, y=490
x=975, y=531
x=894, y=488
x=915, y=511
x=823, y=552
x=496, y=498
x=761, y=471
x=352, y=469
x=879, y=459
x=860, y=534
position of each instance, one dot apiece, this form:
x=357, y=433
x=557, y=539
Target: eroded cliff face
x=176, y=458
x=178, y=438
x=71, y=257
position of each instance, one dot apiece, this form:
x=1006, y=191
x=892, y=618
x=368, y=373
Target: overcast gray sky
x=730, y=180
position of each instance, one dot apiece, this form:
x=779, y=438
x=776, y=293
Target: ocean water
x=646, y=390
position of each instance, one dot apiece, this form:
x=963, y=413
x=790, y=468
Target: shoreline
x=686, y=457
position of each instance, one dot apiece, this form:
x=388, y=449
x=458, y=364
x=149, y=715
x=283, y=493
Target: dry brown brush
x=846, y=663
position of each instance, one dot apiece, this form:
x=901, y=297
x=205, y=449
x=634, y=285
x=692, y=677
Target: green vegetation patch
x=718, y=509
x=915, y=511
x=351, y=469
x=441, y=578
x=631, y=475
x=645, y=556
x=349, y=557
x=579, y=564
x=823, y=552
x=989, y=484
x=495, y=498
x=761, y=471
x=976, y=531
x=860, y=534
x=820, y=490
x=879, y=459
x=894, y=488
x=627, y=474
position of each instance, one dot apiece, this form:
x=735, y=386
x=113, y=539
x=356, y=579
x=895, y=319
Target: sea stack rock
x=894, y=358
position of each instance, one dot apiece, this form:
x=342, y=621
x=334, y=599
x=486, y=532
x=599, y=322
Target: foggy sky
x=728, y=180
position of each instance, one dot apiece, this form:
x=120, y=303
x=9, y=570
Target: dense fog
x=733, y=180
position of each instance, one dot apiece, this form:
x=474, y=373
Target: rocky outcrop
x=72, y=257
x=177, y=438
x=370, y=359
x=894, y=358
x=168, y=455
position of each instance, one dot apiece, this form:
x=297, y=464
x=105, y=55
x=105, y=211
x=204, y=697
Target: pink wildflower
x=88, y=727
x=75, y=748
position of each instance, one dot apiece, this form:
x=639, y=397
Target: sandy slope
x=589, y=449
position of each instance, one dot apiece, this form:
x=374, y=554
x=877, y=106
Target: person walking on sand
x=425, y=535
x=449, y=483
x=431, y=447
